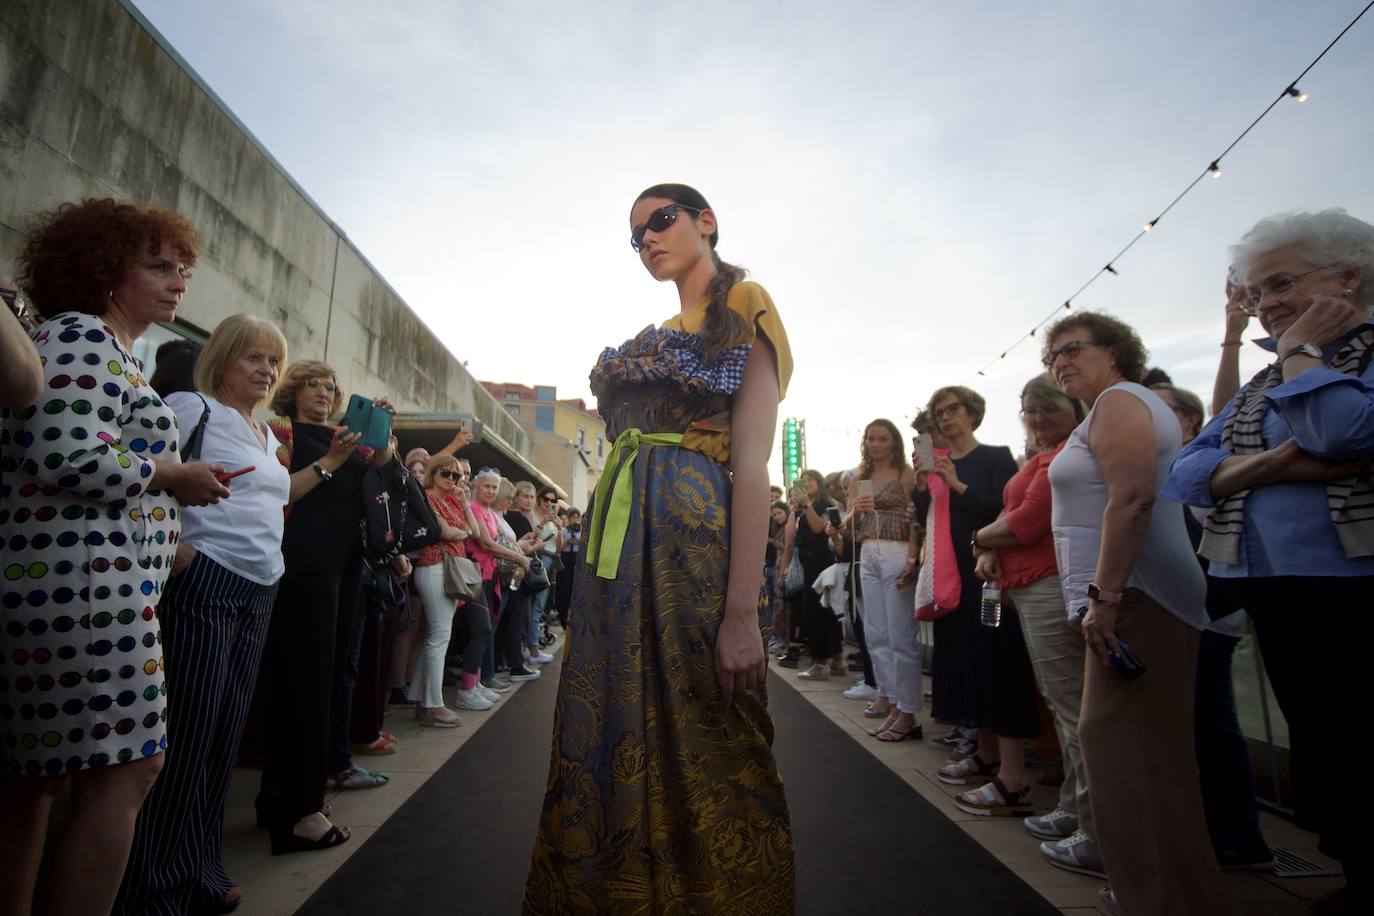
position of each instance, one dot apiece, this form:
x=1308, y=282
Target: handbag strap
x=190, y=449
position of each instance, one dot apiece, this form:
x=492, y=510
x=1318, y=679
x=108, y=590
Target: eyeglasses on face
x=949, y=410
x=328, y=386
x=1070, y=350
x=451, y=474
x=1048, y=410
x=1277, y=285
x=658, y=221
x=548, y=498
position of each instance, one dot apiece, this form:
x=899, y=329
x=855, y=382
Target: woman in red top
x=442, y=481
x=1017, y=550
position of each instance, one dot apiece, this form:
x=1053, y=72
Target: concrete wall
x=93, y=102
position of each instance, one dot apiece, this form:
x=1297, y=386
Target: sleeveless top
x=887, y=521
x=1165, y=568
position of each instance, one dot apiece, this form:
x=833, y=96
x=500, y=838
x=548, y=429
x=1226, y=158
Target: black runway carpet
x=866, y=842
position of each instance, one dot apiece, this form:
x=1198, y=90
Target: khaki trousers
x=1056, y=652
x=1137, y=741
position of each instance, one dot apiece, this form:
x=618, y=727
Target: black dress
x=308, y=640
x=960, y=655
x=824, y=632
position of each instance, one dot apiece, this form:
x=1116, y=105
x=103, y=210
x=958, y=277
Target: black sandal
x=1012, y=804
x=291, y=843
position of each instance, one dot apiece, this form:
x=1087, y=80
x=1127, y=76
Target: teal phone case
x=373, y=422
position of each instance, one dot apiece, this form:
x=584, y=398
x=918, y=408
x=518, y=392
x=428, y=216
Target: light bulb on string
x=1150, y=225
x=1111, y=270
x=1296, y=93
x=1214, y=169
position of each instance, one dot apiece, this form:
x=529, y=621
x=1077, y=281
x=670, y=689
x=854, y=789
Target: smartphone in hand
x=924, y=452
x=371, y=421
x=865, y=489
x=832, y=515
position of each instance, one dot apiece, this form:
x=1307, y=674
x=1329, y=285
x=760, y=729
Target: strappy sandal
x=972, y=769
x=379, y=748
x=993, y=799
x=366, y=779
x=891, y=734
x=284, y=845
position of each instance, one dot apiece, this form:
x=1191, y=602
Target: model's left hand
x=740, y=662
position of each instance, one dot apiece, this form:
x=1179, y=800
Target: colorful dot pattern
x=87, y=547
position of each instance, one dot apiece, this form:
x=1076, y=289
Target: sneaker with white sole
x=1057, y=825
x=497, y=685
x=1076, y=853
x=540, y=658
x=471, y=699
x=525, y=674
x=491, y=695
x=861, y=691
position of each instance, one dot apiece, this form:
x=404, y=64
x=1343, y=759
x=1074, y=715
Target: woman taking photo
x=309, y=638
x=1283, y=471
x=887, y=565
x=214, y=614
x=665, y=651
x=442, y=481
x=974, y=476
x=1128, y=571
x=513, y=627
x=1017, y=552
x=90, y=519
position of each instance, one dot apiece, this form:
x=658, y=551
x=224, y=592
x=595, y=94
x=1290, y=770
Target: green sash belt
x=612, y=520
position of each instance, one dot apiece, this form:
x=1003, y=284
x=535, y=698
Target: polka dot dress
x=86, y=549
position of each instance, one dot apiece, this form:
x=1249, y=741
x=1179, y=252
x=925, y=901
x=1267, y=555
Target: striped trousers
x=214, y=624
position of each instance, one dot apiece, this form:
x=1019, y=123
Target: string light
x=1213, y=169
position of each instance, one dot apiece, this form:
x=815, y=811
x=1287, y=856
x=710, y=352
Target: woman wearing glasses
x=663, y=794
x=1284, y=471
x=310, y=637
x=1128, y=572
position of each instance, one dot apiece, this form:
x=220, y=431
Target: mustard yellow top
x=751, y=301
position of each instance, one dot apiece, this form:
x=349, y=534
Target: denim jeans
x=1223, y=760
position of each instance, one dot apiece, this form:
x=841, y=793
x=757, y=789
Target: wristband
x=322, y=471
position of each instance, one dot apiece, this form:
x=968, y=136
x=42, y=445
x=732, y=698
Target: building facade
x=568, y=437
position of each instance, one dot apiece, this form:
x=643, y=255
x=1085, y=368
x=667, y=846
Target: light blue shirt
x=1288, y=529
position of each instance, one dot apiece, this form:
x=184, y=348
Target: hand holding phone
x=923, y=452
x=372, y=422
x=832, y=515
x=226, y=476
x=1127, y=664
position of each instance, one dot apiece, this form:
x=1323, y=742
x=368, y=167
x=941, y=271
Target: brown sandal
x=972, y=769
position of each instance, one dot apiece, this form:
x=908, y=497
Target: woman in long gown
x=663, y=796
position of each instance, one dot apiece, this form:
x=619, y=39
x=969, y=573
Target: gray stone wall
x=92, y=102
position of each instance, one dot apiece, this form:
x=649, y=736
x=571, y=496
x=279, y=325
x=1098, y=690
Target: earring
x=1349, y=292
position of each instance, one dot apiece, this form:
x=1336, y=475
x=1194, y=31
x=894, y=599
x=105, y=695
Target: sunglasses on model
x=329, y=387
x=658, y=221
x=451, y=474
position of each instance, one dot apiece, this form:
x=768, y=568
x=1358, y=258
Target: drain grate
x=1288, y=864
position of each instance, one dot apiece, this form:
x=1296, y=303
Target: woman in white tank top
x=1127, y=568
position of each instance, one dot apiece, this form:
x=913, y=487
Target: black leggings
x=477, y=625
x=510, y=630
x=824, y=632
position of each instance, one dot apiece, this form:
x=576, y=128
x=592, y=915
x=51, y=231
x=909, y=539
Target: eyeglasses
x=451, y=475
x=949, y=410
x=548, y=499
x=1070, y=350
x=658, y=221
x=1048, y=410
x=329, y=387
x=1278, y=285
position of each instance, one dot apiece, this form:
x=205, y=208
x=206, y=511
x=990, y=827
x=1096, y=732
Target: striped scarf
x=1350, y=499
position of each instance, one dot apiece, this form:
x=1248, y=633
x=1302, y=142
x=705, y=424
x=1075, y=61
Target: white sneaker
x=1057, y=825
x=540, y=658
x=471, y=699
x=491, y=695
x=1076, y=853
x=861, y=691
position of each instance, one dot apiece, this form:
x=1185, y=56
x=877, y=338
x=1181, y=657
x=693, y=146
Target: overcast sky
x=917, y=184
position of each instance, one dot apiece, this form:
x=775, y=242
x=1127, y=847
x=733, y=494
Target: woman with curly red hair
x=90, y=516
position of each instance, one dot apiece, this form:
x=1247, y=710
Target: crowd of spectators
x=183, y=579
x=186, y=584
x=1109, y=573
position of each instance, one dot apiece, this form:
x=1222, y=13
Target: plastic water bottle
x=991, y=612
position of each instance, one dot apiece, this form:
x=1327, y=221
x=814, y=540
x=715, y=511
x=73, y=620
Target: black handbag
x=536, y=578
x=397, y=517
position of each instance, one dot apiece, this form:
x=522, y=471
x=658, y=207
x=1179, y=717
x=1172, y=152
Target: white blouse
x=242, y=533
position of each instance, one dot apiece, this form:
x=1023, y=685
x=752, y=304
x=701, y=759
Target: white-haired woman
x=1290, y=535
x=214, y=615
x=485, y=523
